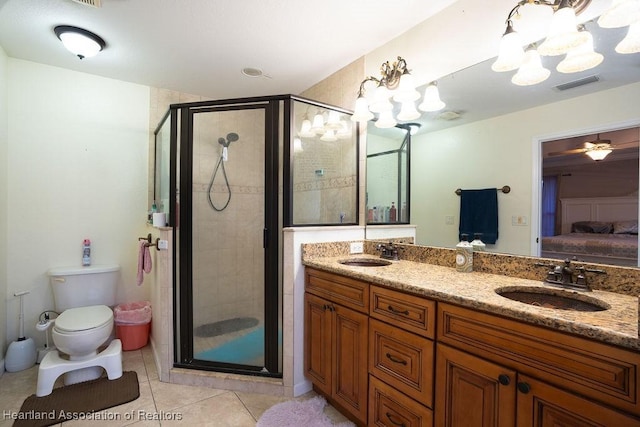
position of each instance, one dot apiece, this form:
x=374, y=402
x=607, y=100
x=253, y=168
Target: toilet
x=83, y=296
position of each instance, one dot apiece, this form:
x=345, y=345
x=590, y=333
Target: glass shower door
x=227, y=247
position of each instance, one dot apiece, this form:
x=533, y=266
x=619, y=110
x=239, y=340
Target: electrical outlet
x=448, y=219
x=519, y=220
x=356, y=248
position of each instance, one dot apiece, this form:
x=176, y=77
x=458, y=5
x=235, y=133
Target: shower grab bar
x=149, y=240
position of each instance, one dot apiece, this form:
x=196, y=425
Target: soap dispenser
x=464, y=255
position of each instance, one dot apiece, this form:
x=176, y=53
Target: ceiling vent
x=94, y=3
x=576, y=83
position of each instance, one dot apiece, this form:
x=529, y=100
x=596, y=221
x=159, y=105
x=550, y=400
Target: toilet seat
x=83, y=318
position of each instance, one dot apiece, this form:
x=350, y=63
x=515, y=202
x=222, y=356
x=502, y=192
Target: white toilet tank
x=82, y=286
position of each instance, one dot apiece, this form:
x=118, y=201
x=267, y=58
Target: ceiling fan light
x=563, y=33
x=620, y=14
x=361, y=112
x=531, y=71
x=631, y=43
x=580, y=58
x=598, y=154
x=511, y=52
x=386, y=120
x=80, y=42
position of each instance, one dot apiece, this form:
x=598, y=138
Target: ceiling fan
x=597, y=149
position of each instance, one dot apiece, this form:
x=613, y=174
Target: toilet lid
x=83, y=318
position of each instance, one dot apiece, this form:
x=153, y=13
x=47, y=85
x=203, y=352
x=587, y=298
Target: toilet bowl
x=79, y=332
x=82, y=296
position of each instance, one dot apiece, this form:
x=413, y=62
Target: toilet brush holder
x=21, y=353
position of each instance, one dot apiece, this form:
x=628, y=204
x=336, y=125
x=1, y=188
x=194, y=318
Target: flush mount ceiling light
x=565, y=37
x=80, y=42
x=397, y=84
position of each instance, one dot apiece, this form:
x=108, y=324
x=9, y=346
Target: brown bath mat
x=78, y=401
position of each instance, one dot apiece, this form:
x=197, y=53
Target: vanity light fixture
x=397, y=84
x=80, y=42
x=329, y=126
x=565, y=37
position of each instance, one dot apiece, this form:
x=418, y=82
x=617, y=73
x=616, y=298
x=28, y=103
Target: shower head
x=231, y=137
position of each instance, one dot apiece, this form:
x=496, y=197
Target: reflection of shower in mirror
x=224, y=156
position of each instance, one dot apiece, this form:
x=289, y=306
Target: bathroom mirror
x=388, y=154
x=491, y=132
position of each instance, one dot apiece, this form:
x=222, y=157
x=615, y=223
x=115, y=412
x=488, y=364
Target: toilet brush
x=21, y=353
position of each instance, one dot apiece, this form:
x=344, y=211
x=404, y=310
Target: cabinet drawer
x=339, y=289
x=402, y=359
x=413, y=313
x=389, y=407
x=596, y=370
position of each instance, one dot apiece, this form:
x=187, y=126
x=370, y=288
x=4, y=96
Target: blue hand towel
x=479, y=214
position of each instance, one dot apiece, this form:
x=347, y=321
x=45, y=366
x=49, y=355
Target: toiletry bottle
x=393, y=212
x=477, y=244
x=86, y=252
x=464, y=255
x=403, y=212
x=375, y=214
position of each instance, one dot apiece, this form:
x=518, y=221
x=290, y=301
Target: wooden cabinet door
x=543, y=405
x=317, y=342
x=350, y=381
x=472, y=392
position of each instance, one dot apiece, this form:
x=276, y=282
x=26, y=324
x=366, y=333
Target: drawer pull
x=400, y=424
x=504, y=379
x=524, y=388
x=396, y=360
x=394, y=310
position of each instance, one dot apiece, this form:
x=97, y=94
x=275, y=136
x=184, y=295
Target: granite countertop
x=617, y=325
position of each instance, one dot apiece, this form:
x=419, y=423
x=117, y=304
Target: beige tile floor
x=194, y=406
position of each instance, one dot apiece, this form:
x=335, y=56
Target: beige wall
x=78, y=146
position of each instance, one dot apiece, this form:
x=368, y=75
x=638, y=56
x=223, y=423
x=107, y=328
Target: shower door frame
x=183, y=236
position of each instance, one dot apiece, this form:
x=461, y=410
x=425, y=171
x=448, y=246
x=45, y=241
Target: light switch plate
x=519, y=220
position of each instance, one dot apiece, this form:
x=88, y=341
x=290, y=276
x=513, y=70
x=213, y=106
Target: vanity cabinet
x=336, y=335
x=401, y=359
x=496, y=371
x=386, y=357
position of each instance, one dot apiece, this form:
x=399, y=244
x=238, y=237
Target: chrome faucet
x=569, y=276
x=388, y=251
